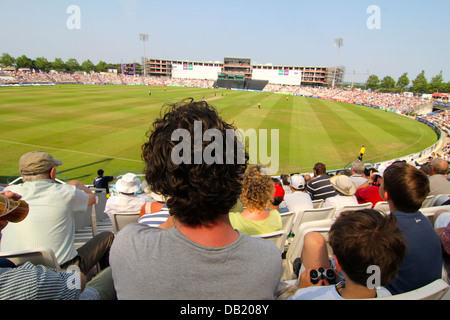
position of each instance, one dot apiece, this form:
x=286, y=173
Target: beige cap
x=37, y=162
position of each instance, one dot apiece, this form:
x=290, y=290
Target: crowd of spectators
x=38, y=77
x=441, y=120
x=392, y=101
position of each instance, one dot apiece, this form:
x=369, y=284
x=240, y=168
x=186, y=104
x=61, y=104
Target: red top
x=368, y=194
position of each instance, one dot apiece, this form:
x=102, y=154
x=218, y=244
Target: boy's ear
x=338, y=266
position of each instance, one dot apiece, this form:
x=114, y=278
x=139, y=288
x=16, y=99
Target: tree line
x=419, y=85
x=388, y=84
x=70, y=66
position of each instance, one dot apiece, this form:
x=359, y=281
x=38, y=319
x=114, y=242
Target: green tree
x=420, y=84
x=437, y=83
x=24, y=62
x=72, y=65
x=102, y=66
x=42, y=64
x=6, y=60
x=372, y=82
x=446, y=87
x=403, y=81
x=387, y=83
x=87, y=66
x=59, y=65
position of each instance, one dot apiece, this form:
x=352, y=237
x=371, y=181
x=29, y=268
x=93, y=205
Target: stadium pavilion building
x=242, y=74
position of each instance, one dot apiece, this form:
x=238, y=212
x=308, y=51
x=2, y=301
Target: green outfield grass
x=91, y=127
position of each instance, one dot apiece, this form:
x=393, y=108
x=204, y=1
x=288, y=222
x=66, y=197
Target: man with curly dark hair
x=199, y=256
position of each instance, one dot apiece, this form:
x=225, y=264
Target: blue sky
x=413, y=35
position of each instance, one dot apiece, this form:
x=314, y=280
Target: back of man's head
x=365, y=238
x=440, y=166
x=320, y=169
x=358, y=167
x=406, y=186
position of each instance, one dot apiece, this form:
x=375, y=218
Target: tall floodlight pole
x=144, y=37
x=338, y=42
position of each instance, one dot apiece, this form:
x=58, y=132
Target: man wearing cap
x=50, y=221
x=298, y=200
x=127, y=201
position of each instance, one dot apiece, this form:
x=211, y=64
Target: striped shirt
x=320, y=188
x=30, y=282
x=155, y=219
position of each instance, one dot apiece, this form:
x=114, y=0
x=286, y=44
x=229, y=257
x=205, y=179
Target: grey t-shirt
x=152, y=263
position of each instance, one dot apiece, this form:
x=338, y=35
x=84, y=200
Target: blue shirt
x=327, y=293
x=423, y=260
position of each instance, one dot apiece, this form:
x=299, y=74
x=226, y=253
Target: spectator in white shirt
x=50, y=222
x=127, y=200
x=298, y=200
x=345, y=194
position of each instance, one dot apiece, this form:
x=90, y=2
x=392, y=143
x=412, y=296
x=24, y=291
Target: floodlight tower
x=144, y=37
x=338, y=42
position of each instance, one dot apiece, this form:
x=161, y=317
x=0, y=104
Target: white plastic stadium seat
x=383, y=207
x=439, y=199
x=120, y=220
x=287, y=221
x=318, y=203
x=367, y=205
x=278, y=237
x=312, y=215
x=39, y=256
x=361, y=206
x=430, y=211
x=295, y=249
x=428, y=201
